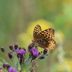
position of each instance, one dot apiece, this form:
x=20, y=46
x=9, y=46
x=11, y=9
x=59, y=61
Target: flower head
x=11, y=69
x=21, y=51
x=34, y=51
x=20, y=54
x=6, y=66
x=2, y=49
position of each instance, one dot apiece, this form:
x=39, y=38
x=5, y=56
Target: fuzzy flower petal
x=11, y=69
x=21, y=51
x=34, y=51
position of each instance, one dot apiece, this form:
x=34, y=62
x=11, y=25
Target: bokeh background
x=17, y=20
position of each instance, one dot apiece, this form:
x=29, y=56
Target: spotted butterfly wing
x=44, y=38
x=36, y=31
x=52, y=44
x=47, y=34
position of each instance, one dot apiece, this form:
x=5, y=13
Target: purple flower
x=10, y=55
x=15, y=47
x=20, y=54
x=11, y=47
x=11, y=69
x=34, y=51
x=21, y=51
x=6, y=66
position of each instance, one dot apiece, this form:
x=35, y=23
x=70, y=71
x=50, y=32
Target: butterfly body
x=43, y=38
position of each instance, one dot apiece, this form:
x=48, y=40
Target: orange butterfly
x=45, y=38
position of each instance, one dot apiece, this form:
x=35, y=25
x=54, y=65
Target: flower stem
x=34, y=66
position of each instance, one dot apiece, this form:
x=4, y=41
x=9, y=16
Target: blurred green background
x=16, y=15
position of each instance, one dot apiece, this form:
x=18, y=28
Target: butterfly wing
x=45, y=37
x=36, y=31
x=52, y=44
x=42, y=42
x=47, y=34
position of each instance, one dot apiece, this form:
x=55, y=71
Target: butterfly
x=45, y=38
